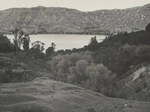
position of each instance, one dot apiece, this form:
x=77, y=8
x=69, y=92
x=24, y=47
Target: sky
x=82, y=5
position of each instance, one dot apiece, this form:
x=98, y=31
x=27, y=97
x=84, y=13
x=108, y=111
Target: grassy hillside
x=41, y=94
x=44, y=95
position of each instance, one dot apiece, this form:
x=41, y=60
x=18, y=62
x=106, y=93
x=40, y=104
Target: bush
x=138, y=89
x=91, y=110
x=7, y=75
x=98, y=76
x=81, y=66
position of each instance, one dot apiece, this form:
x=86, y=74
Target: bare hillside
x=62, y=20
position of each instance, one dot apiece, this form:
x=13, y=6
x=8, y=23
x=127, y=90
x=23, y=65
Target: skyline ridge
x=40, y=6
x=81, y=6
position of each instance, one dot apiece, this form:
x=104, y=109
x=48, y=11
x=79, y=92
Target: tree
x=50, y=50
x=53, y=45
x=38, y=45
x=98, y=76
x=93, y=44
x=18, y=33
x=36, y=52
x=26, y=41
x=81, y=66
x=5, y=44
x=93, y=40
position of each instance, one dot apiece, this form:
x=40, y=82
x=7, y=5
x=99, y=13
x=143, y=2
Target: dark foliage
x=124, y=50
x=50, y=50
x=5, y=44
x=26, y=41
x=148, y=27
x=134, y=38
x=116, y=60
x=32, y=54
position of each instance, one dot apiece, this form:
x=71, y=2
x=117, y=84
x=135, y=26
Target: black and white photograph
x=74, y=55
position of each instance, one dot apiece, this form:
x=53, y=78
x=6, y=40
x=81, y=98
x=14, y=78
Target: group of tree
x=36, y=51
x=117, y=55
x=80, y=69
x=121, y=51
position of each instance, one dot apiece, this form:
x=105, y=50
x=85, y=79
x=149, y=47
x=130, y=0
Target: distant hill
x=62, y=20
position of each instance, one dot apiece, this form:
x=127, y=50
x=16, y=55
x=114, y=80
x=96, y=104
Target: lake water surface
x=63, y=41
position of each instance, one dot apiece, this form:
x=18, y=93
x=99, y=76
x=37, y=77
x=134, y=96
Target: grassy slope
x=44, y=95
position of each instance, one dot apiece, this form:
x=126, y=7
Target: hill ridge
x=65, y=20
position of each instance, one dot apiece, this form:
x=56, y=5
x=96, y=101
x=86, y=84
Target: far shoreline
x=61, y=34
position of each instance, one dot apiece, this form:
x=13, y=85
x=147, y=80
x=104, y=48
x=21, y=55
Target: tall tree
x=18, y=34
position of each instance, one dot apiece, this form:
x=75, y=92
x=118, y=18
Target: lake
x=63, y=41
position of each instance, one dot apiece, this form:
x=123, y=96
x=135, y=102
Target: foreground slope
x=44, y=95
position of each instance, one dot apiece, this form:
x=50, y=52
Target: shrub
x=138, y=89
x=91, y=110
x=143, y=52
x=98, y=76
x=6, y=76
